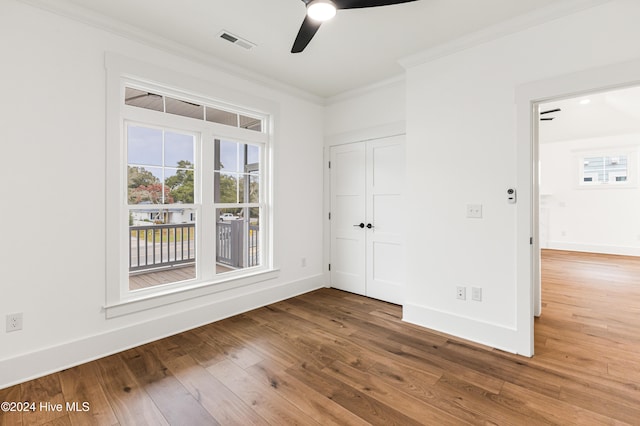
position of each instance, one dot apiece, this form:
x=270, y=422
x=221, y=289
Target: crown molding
x=546, y=14
x=360, y=91
x=77, y=13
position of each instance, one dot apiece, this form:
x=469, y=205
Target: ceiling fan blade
x=358, y=4
x=308, y=29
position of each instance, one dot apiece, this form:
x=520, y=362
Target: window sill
x=142, y=300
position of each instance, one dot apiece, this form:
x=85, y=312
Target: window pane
x=184, y=108
x=144, y=185
x=179, y=184
x=616, y=168
x=226, y=188
x=242, y=184
x=254, y=188
x=253, y=154
x=252, y=182
x=144, y=146
x=253, y=242
x=594, y=169
x=162, y=246
x=237, y=240
x=227, y=257
x=229, y=156
x=222, y=117
x=142, y=99
x=178, y=150
x=148, y=100
x=251, y=123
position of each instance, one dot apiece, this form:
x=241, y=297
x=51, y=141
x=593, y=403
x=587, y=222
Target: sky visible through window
x=161, y=163
x=232, y=156
x=145, y=148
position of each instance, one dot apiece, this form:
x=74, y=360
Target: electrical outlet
x=476, y=294
x=461, y=293
x=474, y=211
x=14, y=322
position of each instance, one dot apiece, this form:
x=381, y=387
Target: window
x=237, y=200
x=163, y=178
x=156, y=102
x=602, y=169
x=188, y=207
x=162, y=212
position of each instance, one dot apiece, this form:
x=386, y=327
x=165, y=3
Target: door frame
x=528, y=96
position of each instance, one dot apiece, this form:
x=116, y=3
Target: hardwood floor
x=334, y=358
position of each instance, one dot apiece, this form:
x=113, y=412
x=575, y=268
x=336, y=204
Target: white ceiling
x=608, y=113
x=357, y=48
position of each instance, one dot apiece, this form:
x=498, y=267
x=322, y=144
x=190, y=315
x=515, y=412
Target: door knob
x=359, y=226
x=369, y=226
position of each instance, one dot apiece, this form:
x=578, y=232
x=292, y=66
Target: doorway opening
x=587, y=203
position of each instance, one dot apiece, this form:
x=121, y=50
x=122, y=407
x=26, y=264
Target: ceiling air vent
x=237, y=40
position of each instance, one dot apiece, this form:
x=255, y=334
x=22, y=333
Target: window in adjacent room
x=604, y=169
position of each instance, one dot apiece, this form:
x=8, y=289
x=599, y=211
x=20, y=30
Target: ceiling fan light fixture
x=321, y=10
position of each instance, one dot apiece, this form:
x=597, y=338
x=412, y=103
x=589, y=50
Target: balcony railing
x=230, y=249
x=160, y=246
x=154, y=246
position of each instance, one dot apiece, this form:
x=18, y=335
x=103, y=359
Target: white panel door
x=347, y=214
x=387, y=216
x=367, y=219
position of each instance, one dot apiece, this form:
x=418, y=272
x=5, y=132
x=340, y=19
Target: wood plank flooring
x=334, y=358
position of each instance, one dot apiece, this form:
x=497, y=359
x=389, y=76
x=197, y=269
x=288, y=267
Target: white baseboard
x=492, y=335
x=50, y=360
x=593, y=248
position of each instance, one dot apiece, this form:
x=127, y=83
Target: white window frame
x=124, y=72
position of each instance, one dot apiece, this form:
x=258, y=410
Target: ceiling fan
x=549, y=112
x=319, y=11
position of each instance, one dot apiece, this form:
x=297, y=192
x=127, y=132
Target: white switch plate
x=474, y=211
x=476, y=294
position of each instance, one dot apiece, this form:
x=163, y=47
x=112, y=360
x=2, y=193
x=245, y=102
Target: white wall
x=52, y=146
x=599, y=219
x=367, y=111
x=462, y=149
